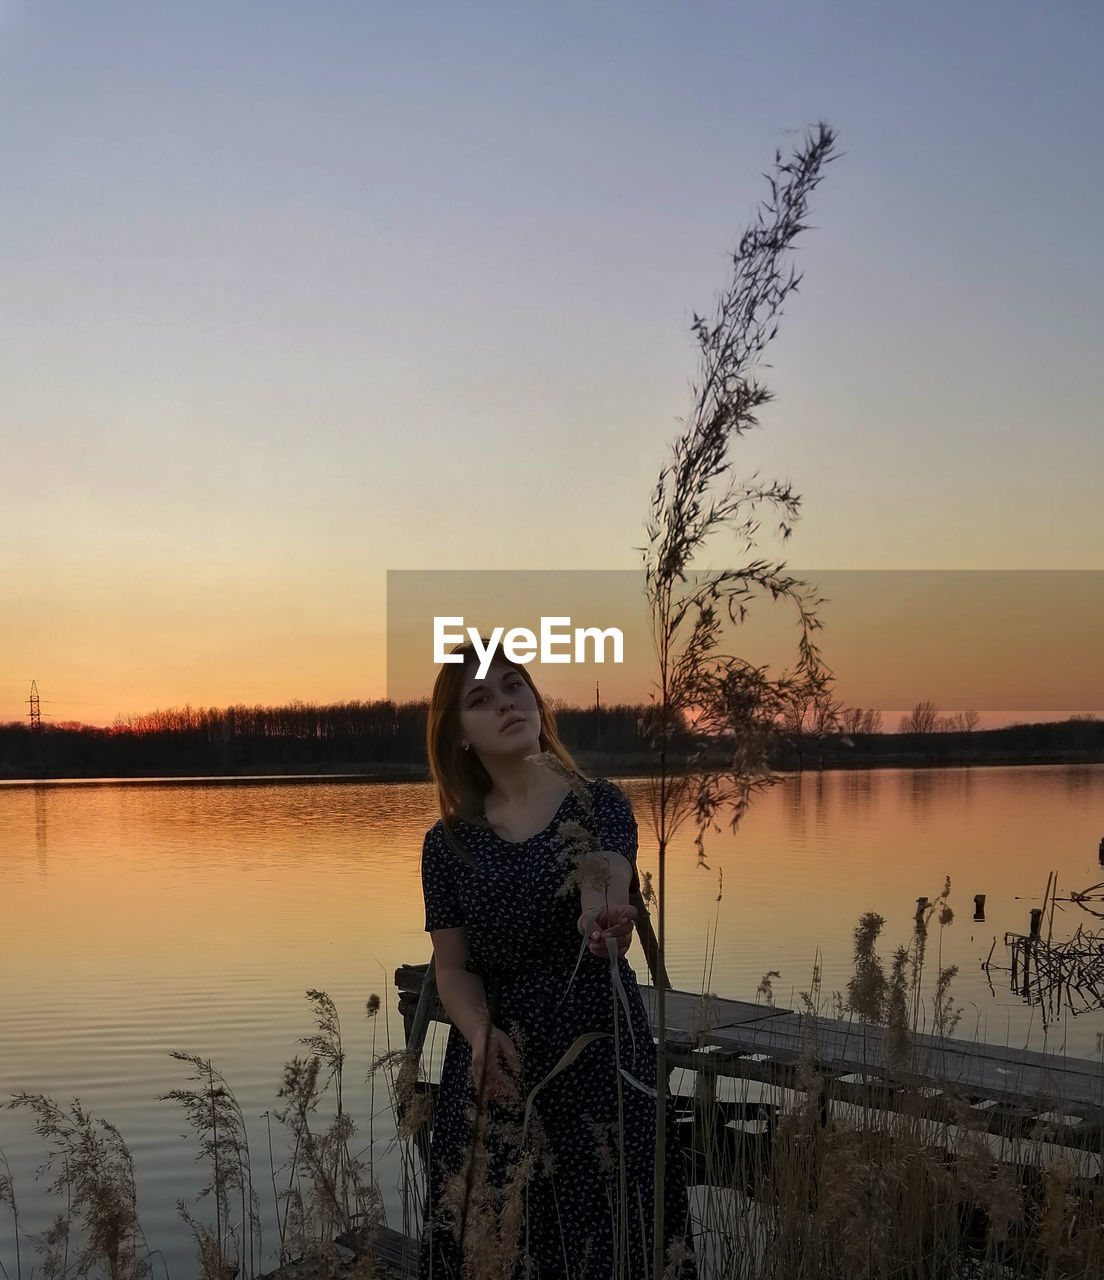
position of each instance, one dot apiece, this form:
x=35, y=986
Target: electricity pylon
x=35, y=712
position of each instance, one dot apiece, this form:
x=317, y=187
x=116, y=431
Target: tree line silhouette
x=387, y=738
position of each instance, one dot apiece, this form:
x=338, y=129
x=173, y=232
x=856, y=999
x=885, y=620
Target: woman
x=527, y=876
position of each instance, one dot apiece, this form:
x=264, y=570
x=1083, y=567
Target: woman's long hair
x=462, y=782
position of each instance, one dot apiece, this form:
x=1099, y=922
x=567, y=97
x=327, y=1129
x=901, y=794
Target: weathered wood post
x=705, y=1108
x=1030, y=943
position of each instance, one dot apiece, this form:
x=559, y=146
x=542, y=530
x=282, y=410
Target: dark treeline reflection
x=388, y=739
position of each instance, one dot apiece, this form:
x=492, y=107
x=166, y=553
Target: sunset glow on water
x=159, y=917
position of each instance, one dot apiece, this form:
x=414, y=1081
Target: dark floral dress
x=564, y=1197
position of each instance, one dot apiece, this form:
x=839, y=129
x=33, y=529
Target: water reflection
x=288, y=879
x=1079, y=780
x=166, y=916
x=41, y=844
x=856, y=792
x=793, y=806
x=821, y=791
x=918, y=788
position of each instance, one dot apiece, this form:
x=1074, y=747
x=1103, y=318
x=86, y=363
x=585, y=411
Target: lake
x=142, y=919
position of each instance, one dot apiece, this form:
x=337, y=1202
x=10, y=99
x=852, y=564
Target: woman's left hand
x=615, y=922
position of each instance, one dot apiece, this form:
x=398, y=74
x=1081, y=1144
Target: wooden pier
x=1031, y=1099
x=717, y=1038
x=1057, y=1099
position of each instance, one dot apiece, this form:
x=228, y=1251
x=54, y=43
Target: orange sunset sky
x=296, y=295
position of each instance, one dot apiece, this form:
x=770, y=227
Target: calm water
x=137, y=920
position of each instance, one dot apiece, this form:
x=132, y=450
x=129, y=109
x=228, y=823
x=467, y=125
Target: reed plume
x=729, y=705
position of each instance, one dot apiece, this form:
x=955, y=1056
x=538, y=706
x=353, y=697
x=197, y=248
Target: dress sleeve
x=439, y=888
x=615, y=824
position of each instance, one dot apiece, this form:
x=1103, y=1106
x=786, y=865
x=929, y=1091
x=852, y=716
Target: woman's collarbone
x=521, y=825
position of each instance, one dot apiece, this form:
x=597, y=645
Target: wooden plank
x=397, y=1253
x=687, y=1012
x=743, y=1027
x=841, y=1047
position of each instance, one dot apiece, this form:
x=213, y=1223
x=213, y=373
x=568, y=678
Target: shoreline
x=607, y=768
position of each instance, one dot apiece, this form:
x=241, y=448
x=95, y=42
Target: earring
x=467, y=746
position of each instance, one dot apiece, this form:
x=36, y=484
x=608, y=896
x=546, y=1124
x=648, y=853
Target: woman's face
x=499, y=714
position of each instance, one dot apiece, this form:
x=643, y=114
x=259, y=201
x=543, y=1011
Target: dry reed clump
x=843, y=1191
x=856, y=1214
x=765, y=990
x=898, y=1041
x=325, y=1043
x=484, y=1201
x=880, y=1198
x=312, y=1203
x=1070, y=1225
x=98, y=1230
x=96, y=1179
x=866, y=989
x=890, y=1204
x=409, y=1092
x=232, y=1244
x=679, y=1258
x=992, y=1188
x=328, y=1193
x=896, y=1003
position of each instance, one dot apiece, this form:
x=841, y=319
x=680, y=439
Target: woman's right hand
x=616, y=922
x=493, y=1052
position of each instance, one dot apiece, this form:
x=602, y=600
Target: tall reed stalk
x=327, y=1191
x=233, y=1246
x=729, y=706
x=7, y=1196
